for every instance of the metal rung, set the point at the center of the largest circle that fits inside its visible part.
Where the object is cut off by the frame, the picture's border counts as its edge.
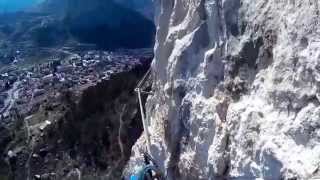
(143, 116)
(144, 122)
(144, 79)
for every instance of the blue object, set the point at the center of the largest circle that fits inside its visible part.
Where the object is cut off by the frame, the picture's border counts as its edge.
(144, 172)
(133, 177)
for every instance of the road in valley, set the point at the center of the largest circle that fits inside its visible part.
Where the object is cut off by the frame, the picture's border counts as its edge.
(13, 95)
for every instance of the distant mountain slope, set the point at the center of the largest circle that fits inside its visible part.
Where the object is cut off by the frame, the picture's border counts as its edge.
(16, 5)
(57, 7)
(108, 24)
(145, 7)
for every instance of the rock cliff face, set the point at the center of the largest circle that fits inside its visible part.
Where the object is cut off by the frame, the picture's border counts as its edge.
(236, 90)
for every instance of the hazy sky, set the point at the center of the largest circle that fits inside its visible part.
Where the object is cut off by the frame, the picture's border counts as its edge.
(16, 5)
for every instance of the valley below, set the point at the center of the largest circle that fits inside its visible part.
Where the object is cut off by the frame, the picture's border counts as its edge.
(68, 71)
(74, 113)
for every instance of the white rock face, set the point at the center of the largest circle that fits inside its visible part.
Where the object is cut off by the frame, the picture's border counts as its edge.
(236, 90)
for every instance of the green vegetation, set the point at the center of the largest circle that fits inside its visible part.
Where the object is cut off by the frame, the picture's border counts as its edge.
(3, 177)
